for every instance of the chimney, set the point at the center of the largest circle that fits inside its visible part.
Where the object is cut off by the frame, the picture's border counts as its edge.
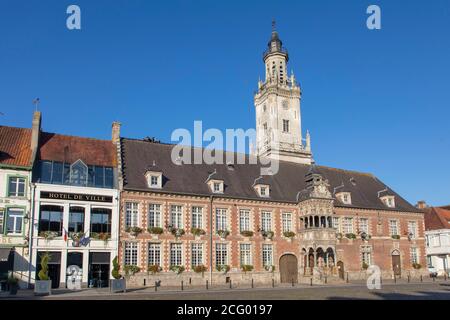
(35, 131)
(421, 205)
(115, 132)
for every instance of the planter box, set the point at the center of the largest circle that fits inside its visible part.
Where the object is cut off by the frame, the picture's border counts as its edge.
(118, 285)
(43, 287)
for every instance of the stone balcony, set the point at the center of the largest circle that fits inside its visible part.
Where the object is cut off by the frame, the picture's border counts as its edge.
(318, 235)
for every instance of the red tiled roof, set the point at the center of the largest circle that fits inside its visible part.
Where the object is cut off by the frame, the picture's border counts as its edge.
(15, 146)
(437, 218)
(69, 149)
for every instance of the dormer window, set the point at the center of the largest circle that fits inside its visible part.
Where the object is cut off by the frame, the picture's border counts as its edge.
(344, 197)
(389, 201)
(262, 190)
(154, 179)
(216, 186)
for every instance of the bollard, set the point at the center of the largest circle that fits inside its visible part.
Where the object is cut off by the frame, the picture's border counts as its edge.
(434, 279)
(445, 276)
(156, 287)
(273, 283)
(190, 280)
(230, 284)
(252, 283)
(310, 281)
(395, 279)
(421, 278)
(145, 282)
(206, 284)
(347, 277)
(409, 278)
(182, 286)
(326, 279)
(292, 281)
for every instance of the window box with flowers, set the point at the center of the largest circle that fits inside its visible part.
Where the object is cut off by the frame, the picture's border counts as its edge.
(268, 234)
(339, 236)
(176, 232)
(223, 233)
(223, 268)
(131, 270)
(48, 235)
(177, 269)
(247, 268)
(155, 230)
(395, 236)
(199, 269)
(365, 266)
(154, 269)
(198, 232)
(247, 233)
(365, 236)
(270, 268)
(289, 234)
(350, 236)
(134, 231)
(416, 265)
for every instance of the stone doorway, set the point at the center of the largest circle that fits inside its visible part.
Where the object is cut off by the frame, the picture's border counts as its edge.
(288, 269)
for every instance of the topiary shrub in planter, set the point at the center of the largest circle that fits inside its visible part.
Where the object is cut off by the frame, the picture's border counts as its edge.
(154, 269)
(177, 269)
(199, 269)
(247, 233)
(118, 284)
(134, 231)
(289, 234)
(223, 268)
(350, 236)
(155, 230)
(247, 268)
(43, 286)
(198, 232)
(13, 284)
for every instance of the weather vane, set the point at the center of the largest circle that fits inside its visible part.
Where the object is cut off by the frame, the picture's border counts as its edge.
(36, 103)
(273, 24)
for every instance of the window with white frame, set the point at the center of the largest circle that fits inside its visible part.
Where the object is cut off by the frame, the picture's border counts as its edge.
(154, 254)
(244, 220)
(14, 223)
(366, 255)
(245, 254)
(286, 218)
(2, 217)
(197, 217)
(266, 221)
(263, 191)
(176, 252)
(336, 224)
(414, 255)
(154, 215)
(364, 225)
(412, 229)
(347, 225)
(16, 187)
(221, 254)
(393, 227)
(154, 181)
(267, 255)
(216, 186)
(176, 216)
(131, 254)
(197, 254)
(286, 126)
(131, 214)
(221, 219)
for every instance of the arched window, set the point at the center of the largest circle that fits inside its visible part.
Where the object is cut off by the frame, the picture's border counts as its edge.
(78, 173)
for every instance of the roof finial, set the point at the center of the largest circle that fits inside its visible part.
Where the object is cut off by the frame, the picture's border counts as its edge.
(274, 24)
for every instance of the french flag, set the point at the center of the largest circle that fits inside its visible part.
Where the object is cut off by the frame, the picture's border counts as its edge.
(64, 234)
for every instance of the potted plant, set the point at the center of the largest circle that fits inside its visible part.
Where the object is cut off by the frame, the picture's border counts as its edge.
(199, 269)
(223, 233)
(154, 269)
(43, 286)
(223, 268)
(246, 268)
(118, 284)
(134, 231)
(289, 234)
(247, 233)
(13, 284)
(198, 232)
(155, 230)
(177, 269)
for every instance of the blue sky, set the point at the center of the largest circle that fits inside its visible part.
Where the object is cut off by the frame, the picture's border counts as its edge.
(374, 101)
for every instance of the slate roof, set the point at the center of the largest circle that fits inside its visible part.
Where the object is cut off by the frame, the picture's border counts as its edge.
(62, 148)
(15, 146)
(137, 155)
(437, 218)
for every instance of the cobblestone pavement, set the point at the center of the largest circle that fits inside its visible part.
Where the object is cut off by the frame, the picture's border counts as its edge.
(439, 290)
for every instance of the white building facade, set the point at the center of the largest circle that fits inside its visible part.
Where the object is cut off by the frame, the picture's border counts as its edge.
(438, 250)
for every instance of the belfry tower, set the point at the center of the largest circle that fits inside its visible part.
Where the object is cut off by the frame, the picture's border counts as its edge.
(278, 115)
